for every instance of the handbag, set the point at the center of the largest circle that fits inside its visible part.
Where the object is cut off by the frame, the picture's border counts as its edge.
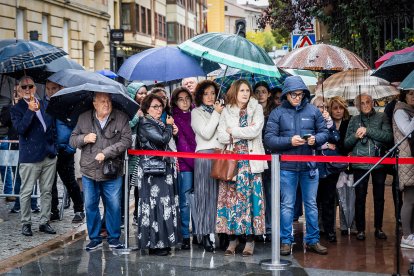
(224, 169)
(154, 166)
(111, 168)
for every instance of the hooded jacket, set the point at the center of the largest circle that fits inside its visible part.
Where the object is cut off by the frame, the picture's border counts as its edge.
(132, 90)
(286, 121)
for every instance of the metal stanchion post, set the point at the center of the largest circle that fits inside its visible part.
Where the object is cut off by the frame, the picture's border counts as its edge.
(126, 249)
(275, 263)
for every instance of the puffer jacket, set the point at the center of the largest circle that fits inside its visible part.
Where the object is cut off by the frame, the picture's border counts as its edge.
(252, 133)
(113, 141)
(379, 135)
(287, 121)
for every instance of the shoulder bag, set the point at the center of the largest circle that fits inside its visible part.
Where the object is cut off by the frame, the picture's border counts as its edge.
(224, 169)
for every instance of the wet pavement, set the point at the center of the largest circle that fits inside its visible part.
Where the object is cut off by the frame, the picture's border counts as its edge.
(63, 254)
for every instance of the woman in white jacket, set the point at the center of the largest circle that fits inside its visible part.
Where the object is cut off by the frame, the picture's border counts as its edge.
(240, 205)
(204, 121)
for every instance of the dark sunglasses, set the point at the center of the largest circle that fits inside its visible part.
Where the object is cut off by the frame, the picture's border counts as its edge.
(30, 86)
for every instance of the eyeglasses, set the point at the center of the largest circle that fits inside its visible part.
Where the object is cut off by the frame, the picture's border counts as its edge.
(296, 95)
(30, 86)
(156, 107)
(182, 100)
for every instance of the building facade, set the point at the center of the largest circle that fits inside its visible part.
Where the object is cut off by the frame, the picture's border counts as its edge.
(234, 11)
(80, 27)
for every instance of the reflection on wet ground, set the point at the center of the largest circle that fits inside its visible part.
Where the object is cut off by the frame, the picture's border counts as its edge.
(346, 257)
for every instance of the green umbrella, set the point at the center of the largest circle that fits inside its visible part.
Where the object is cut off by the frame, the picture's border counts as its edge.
(408, 82)
(231, 50)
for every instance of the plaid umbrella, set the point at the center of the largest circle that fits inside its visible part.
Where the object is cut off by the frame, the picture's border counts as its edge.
(236, 74)
(231, 50)
(349, 84)
(16, 55)
(322, 57)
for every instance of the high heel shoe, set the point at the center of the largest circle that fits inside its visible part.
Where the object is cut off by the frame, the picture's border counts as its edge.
(208, 246)
(248, 249)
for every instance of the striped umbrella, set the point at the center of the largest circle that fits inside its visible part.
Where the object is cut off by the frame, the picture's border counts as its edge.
(233, 74)
(231, 50)
(349, 84)
(322, 57)
(18, 54)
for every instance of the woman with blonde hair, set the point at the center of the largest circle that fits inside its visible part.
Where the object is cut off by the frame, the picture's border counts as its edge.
(240, 204)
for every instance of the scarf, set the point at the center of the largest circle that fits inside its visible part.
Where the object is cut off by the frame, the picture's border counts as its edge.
(160, 123)
(208, 108)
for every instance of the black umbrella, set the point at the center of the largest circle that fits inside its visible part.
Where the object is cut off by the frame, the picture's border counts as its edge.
(396, 68)
(69, 103)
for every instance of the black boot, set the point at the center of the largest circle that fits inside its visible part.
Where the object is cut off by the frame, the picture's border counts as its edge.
(224, 241)
(208, 246)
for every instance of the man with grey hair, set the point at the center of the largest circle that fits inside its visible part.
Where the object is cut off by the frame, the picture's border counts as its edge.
(37, 154)
(190, 84)
(368, 134)
(103, 133)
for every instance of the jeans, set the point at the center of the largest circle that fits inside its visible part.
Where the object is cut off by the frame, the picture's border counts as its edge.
(378, 189)
(185, 185)
(309, 185)
(110, 191)
(65, 167)
(267, 185)
(6, 172)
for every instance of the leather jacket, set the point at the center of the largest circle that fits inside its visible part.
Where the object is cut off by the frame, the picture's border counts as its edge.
(153, 136)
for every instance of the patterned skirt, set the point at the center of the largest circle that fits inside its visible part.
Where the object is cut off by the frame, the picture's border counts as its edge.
(158, 209)
(240, 204)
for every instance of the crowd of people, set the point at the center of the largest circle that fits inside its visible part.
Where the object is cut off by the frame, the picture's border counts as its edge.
(177, 202)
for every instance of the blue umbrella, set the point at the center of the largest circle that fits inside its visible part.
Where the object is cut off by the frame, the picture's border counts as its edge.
(164, 64)
(107, 73)
(16, 55)
(72, 77)
(62, 63)
(69, 103)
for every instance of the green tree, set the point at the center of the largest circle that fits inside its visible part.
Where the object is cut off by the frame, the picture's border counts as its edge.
(264, 39)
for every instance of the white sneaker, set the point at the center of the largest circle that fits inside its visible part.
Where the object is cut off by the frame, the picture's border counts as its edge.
(408, 242)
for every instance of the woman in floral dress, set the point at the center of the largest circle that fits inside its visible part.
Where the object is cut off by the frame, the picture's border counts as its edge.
(158, 207)
(240, 206)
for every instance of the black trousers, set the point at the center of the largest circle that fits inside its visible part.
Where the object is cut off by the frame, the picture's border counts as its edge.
(378, 187)
(326, 201)
(65, 167)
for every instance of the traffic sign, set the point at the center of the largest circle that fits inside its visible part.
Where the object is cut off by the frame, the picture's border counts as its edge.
(299, 41)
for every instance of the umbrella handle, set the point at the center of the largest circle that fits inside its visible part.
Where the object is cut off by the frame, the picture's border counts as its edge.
(222, 81)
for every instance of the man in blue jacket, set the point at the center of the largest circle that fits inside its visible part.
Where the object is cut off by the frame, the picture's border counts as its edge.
(37, 154)
(297, 128)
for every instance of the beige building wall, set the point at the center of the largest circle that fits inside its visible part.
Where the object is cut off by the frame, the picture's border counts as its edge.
(215, 16)
(78, 26)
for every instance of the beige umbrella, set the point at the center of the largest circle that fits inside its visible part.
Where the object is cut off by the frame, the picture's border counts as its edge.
(349, 84)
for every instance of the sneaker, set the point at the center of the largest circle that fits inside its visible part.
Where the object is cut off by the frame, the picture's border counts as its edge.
(114, 243)
(285, 249)
(317, 248)
(93, 245)
(408, 242)
(78, 217)
(135, 221)
(14, 211)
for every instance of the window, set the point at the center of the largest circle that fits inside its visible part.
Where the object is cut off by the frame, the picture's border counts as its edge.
(143, 20)
(45, 28)
(137, 17)
(225, 8)
(66, 36)
(149, 21)
(19, 24)
(126, 17)
(85, 54)
(171, 32)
